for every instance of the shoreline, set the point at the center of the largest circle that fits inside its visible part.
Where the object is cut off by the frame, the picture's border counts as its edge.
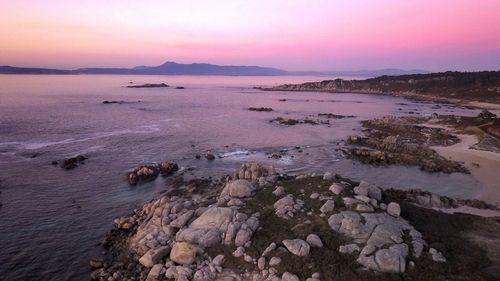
(412, 96)
(488, 162)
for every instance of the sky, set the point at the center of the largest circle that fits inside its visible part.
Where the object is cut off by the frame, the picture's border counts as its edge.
(319, 35)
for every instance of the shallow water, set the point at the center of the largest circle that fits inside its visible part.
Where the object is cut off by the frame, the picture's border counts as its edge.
(52, 220)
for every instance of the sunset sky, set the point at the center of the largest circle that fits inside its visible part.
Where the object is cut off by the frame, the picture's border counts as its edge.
(288, 34)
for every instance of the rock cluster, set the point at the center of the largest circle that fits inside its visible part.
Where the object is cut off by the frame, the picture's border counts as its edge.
(150, 172)
(381, 235)
(171, 237)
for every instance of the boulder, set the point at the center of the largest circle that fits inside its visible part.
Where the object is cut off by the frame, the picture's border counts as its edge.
(210, 156)
(328, 207)
(73, 162)
(349, 249)
(155, 272)
(394, 209)
(168, 167)
(375, 193)
(362, 188)
(287, 276)
(153, 256)
(214, 217)
(204, 237)
(274, 261)
(181, 220)
(336, 188)
(143, 174)
(297, 247)
(314, 241)
(280, 190)
(240, 189)
(183, 253)
(328, 176)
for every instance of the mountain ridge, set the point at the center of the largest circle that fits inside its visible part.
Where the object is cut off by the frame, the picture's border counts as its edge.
(173, 68)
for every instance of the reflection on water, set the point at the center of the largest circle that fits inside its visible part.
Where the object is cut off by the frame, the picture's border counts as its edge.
(52, 220)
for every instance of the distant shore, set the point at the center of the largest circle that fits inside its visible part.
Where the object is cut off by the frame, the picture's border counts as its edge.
(471, 89)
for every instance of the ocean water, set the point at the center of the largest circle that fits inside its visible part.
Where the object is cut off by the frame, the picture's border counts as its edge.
(52, 220)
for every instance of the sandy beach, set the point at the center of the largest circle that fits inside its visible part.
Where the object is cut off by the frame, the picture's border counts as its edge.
(484, 165)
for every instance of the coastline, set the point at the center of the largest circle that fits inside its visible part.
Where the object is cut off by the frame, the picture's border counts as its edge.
(409, 95)
(488, 161)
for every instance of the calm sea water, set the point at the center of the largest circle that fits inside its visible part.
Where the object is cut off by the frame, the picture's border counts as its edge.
(52, 220)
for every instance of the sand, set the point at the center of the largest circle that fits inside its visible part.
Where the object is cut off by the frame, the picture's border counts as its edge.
(484, 165)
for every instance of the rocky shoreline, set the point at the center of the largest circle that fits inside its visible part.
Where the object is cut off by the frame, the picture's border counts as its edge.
(261, 225)
(476, 89)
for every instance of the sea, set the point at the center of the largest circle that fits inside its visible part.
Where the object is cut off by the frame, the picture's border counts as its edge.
(53, 221)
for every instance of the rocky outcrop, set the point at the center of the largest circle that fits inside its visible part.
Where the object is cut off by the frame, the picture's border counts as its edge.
(239, 230)
(150, 172)
(403, 141)
(73, 162)
(160, 85)
(142, 174)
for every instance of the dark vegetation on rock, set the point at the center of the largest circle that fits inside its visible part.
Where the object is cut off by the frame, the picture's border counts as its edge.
(260, 109)
(470, 244)
(72, 162)
(160, 85)
(473, 86)
(146, 173)
(335, 116)
(403, 141)
(291, 121)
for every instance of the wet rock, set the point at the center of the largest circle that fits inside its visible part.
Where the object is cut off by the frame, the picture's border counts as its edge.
(260, 109)
(210, 156)
(183, 253)
(168, 167)
(285, 121)
(297, 247)
(149, 85)
(73, 162)
(143, 173)
(96, 263)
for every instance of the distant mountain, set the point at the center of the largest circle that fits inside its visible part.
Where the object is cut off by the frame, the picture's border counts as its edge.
(25, 70)
(168, 68)
(173, 68)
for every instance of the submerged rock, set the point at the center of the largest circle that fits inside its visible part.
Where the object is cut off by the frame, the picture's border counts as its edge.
(160, 85)
(73, 162)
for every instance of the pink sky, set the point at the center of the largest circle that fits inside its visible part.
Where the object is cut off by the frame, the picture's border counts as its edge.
(288, 34)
